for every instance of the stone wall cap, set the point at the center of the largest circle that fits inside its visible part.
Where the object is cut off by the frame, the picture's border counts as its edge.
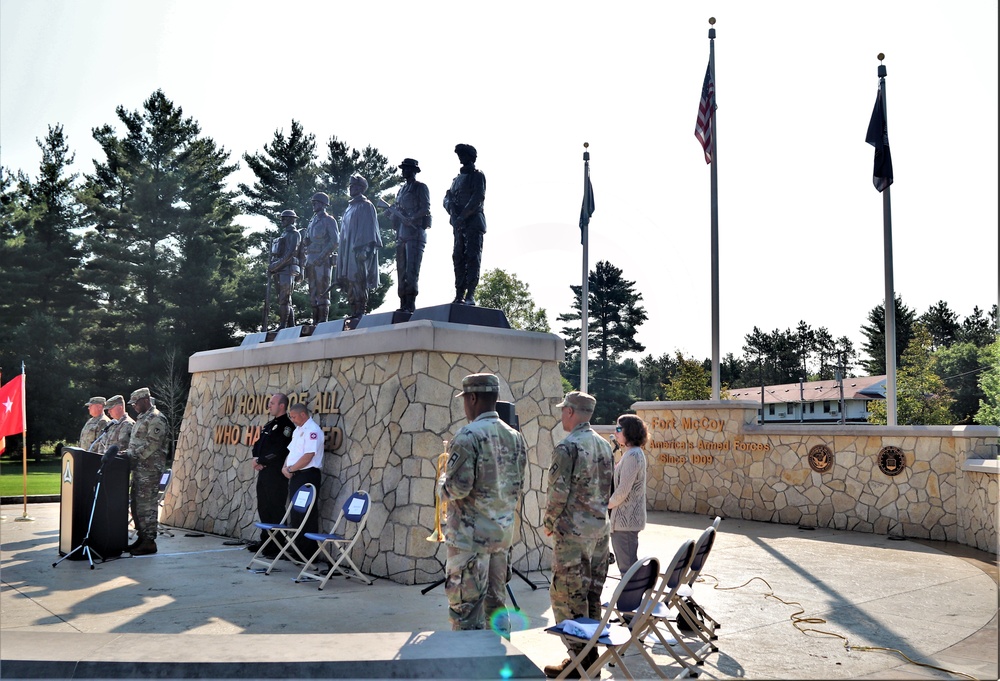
(982, 466)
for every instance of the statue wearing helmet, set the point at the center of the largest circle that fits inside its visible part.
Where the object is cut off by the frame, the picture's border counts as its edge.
(285, 267)
(321, 238)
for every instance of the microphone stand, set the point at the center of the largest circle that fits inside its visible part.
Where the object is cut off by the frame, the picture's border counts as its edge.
(85, 546)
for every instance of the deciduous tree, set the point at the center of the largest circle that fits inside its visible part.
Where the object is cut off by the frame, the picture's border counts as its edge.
(922, 399)
(504, 291)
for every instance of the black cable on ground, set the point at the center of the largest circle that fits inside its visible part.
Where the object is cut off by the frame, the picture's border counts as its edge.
(798, 622)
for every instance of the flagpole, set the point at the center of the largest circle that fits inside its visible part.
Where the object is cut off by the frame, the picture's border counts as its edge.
(715, 225)
(24, 447)
(890, 297)
(585, 294)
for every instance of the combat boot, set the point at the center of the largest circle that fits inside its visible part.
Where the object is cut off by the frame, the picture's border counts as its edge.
(554, 670)
(145, 548)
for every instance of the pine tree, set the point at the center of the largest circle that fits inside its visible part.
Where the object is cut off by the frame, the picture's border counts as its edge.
(287, 175)
(165, 247)
(614, 318)
(43, 297)
(942, 323)
(978, 329)
(874, 332)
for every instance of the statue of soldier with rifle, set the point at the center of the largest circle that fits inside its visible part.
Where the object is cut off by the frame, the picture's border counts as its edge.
(286, 269)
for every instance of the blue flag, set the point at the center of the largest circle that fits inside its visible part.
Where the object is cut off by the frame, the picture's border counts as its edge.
(878, 137)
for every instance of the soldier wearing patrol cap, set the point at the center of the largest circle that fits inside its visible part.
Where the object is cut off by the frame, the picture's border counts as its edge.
(321, 239)
(482, 486)
(148, 448)
(96, 424)
(576, 517)
(285, 267)
(119, 430)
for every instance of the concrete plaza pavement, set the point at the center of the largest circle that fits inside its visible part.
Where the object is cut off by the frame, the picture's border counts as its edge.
(794, 603)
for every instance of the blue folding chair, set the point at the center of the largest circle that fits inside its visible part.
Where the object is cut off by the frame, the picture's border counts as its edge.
(353, 512)
(282, 535)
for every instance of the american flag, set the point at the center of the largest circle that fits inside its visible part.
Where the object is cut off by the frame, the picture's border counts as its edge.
(706, 109)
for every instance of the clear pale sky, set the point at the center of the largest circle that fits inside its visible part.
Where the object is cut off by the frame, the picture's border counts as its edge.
(527, 83)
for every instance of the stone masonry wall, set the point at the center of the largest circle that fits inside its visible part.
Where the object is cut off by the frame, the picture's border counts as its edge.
(395, 409)
(711, 457)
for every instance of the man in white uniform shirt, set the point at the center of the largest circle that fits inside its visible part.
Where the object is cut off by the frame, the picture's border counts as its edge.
(304, 464)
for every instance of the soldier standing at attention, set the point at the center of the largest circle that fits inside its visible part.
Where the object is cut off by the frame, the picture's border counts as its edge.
(119, 430)
(482, 486)
(576, 517)
(464, 203)
(322, 236)
(147, 450)
(269, 453)
(286, 268)
(96, 424)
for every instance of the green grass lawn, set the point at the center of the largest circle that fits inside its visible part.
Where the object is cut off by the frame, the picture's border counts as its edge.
(43, 477)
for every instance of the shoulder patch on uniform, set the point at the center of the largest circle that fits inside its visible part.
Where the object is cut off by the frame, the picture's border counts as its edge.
(312, 436)
(453, 458)
(554, 467)
(287, 432)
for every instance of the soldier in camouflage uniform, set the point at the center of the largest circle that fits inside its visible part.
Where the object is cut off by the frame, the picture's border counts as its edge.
(482, 485)
(576, 517)
(147, 449)
(96, 424)
(119, 430)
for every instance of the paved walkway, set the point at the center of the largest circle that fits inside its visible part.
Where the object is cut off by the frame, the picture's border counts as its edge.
(193, 610)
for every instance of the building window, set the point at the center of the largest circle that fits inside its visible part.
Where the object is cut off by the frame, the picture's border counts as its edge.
(770, 409)
(790, 409)
(812, 407)
(826, 407)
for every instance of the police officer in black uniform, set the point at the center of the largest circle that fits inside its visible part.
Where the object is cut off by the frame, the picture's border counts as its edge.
(269, 453)
(286, 268)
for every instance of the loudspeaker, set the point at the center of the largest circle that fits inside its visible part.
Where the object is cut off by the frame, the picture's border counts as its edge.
(109, 532)
(508, 414)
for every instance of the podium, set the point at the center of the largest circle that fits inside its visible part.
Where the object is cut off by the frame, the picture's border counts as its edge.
(109, 533)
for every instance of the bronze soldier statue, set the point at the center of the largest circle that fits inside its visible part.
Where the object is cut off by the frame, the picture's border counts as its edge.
(411, 216)
(464, 203)
(357, 261)
(285, 267)
(321, 239)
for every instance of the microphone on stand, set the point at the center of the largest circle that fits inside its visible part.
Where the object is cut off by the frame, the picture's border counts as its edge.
(109, 454)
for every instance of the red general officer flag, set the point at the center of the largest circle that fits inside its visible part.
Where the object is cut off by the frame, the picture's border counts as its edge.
(11, 407)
